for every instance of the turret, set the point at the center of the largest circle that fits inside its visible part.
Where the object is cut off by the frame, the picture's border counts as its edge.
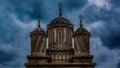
(81, 40)
(38, 40)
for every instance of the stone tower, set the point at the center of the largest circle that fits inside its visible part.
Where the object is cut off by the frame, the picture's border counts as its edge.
(60, 53)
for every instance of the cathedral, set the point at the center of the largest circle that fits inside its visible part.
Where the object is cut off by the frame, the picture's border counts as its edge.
(61, 52)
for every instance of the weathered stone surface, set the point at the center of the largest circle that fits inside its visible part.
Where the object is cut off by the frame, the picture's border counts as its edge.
(60, 52)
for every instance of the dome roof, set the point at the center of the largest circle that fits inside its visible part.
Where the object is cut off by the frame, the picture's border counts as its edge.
(38, 29)
(81, 30)
(60, 21)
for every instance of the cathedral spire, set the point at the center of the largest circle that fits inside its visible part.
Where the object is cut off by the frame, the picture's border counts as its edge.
(81, 24)
(39, 23)
(60, 9)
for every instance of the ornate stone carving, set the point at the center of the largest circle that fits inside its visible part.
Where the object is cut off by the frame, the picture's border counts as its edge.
(60, 53)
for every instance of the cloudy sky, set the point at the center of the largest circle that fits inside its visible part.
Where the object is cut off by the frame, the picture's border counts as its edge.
(19, 17)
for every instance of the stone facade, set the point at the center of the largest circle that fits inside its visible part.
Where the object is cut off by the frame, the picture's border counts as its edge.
(60, 52)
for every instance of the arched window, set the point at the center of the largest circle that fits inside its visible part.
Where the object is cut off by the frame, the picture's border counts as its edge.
(51, 37)
(68, 37)
(59, 37)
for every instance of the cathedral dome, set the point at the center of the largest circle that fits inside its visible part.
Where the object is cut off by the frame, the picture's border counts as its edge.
(60, 21)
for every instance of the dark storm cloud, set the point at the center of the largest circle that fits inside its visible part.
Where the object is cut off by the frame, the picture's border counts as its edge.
(105, 32)
(109, 33)
(118, 65)
(6, 57)
(72, 4)
(13, 39)
(10, 56)
(24, 9)
(15, 18)
(111, 39)
(115, 2)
